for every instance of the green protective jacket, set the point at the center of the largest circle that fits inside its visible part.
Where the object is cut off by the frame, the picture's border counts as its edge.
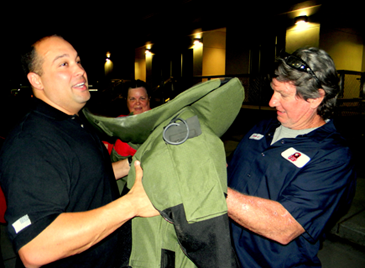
(184, 175)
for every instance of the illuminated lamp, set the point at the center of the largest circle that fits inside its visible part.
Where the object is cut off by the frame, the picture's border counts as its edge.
(301, 19)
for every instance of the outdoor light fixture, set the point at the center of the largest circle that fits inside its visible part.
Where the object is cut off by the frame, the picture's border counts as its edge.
(108, 56)
(148, 48)
(197, 41)
(301, 19)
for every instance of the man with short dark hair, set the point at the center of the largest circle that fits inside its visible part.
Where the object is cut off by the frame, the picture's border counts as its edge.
(63, 205)
(292, 177)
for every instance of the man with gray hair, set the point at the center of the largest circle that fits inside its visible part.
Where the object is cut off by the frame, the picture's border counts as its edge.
(290, 178)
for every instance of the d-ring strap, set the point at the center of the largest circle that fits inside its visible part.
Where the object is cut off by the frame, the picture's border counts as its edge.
(171, 124)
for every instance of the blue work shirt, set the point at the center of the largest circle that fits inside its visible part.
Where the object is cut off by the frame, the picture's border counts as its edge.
(311, 175)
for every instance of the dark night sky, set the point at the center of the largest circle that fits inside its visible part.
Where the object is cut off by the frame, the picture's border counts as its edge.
(94, 29)
(91, 31)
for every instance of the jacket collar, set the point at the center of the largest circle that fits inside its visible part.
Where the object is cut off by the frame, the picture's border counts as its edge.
(316, 135)
(47, 110)
(322, 132)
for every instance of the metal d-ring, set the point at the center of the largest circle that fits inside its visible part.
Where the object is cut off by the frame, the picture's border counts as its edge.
(176, 124)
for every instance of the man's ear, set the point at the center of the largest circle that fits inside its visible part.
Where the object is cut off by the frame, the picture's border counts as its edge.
(35, 80)
(317, 101)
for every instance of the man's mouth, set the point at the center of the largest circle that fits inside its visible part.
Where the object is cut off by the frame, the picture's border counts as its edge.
(80, 85)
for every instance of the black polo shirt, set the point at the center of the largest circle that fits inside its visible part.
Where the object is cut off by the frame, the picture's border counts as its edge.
(53, 163)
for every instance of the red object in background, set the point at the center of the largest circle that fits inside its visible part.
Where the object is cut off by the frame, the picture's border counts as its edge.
(2, 206)
(122, 148)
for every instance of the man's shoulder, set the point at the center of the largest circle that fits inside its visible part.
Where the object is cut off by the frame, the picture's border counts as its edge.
(328, 134)
(33, 124)
(31, 132)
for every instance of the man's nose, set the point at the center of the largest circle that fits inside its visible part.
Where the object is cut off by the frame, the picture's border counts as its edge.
(273, 101)
(79, 70)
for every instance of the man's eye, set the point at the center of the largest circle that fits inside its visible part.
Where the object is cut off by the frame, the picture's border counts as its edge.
(64, 64)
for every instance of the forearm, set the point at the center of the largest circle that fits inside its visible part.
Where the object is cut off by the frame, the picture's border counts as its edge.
(121, 168)
(73, 233)
(262, 216)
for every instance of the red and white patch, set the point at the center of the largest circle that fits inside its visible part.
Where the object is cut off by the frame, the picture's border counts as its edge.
(256, 136)
(295, 157)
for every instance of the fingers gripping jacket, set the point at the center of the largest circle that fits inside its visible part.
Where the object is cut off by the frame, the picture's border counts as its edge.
(183, 161)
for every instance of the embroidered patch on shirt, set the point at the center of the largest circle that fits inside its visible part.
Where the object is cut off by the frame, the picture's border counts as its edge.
(295, 157)
(21, 223)
(256, 136)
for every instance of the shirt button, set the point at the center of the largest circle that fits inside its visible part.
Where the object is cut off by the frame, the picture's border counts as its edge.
(263, 154)
(249, 175)
(82, 125)
(282, 142)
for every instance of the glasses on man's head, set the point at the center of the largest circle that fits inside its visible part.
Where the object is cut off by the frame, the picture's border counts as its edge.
(299, 64)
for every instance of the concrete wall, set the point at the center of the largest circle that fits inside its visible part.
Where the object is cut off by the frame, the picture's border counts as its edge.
(345, 46)
(301, 36)
(140, 64)
(214, 52)
(363, 59)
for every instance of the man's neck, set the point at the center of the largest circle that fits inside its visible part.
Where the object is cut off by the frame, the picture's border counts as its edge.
(68, 111)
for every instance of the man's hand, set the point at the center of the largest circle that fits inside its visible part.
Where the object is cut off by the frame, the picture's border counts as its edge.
(120, 168)
(138, 196)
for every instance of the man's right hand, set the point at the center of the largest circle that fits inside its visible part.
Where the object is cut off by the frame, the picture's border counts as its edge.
(138, 196)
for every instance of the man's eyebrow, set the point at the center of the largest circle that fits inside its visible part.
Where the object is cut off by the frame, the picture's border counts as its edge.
(65, 56)
(60, 56)
(272, 87)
